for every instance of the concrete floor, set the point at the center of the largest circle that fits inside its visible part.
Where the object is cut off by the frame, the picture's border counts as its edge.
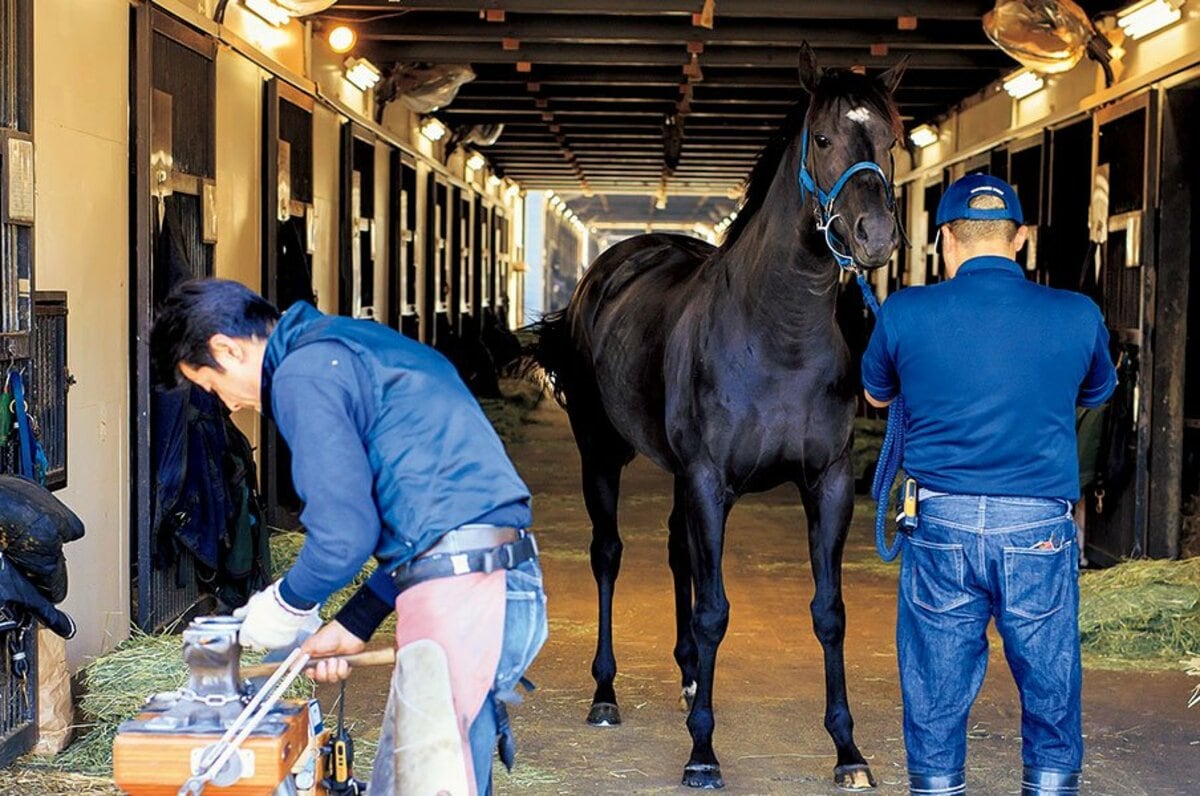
(1141, 738)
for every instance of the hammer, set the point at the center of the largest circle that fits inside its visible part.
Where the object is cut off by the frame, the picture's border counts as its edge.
(378, 657)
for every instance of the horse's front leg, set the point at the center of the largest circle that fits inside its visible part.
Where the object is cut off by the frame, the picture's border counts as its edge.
(829, 504)
(707, 505)
(681, 571)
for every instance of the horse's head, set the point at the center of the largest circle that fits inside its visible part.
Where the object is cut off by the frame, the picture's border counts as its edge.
(846, 162)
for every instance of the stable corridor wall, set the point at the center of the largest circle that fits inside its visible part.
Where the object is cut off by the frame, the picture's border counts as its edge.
(81, 139)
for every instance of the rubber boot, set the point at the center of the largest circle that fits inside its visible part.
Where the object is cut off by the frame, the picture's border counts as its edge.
(938, 784)
(1044, 782)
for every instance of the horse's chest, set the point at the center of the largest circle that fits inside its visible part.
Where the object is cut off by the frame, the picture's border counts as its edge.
(762, 419)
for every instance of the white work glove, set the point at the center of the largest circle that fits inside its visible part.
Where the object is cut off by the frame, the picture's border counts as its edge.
(268, 622)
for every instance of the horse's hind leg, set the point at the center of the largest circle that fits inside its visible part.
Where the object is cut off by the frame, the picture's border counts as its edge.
(829, 504)
(681, 569)
(601, 486)
(604, 454)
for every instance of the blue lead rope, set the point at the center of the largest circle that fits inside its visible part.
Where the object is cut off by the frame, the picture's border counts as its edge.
(889, 456)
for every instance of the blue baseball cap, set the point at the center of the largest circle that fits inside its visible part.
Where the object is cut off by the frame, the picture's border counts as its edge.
(956, 201)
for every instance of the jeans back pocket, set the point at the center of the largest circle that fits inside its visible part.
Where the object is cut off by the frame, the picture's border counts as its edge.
(1036, 580)
(935, 575)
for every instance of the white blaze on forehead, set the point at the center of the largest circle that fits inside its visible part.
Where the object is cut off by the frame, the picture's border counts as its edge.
(859, 115)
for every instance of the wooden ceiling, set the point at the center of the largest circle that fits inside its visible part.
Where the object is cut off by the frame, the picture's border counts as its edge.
(583, 87)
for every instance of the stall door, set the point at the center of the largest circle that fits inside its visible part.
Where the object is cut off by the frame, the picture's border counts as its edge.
(356, 279)
(402, 273)
(1116, 523)
(1066, 255)
(287, 218)
(437, 279)
(175, 229)
(1024, 167)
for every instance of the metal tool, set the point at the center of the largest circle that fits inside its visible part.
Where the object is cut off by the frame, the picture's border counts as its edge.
(217, 756)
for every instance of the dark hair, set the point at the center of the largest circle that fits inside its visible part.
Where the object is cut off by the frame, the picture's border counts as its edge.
(967, 230)
(194, 312)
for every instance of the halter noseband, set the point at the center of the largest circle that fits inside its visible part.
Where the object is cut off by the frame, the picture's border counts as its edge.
(826, 200)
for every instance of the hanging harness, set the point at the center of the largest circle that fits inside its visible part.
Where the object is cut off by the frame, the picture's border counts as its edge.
(893, 439)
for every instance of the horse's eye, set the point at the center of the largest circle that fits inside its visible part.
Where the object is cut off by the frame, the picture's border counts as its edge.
(821, 140)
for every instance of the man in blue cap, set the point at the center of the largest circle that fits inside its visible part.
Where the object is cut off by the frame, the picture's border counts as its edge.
(991, 367)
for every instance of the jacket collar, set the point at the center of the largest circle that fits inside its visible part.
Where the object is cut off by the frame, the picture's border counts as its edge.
(297, 320)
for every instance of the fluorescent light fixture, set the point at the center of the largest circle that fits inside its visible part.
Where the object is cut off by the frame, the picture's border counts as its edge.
(555, 202)
(493, 182)
(923, 135)
(1148, 16)
(1022, 84)
(512, 190)
(267, 11)
(433, 129)
(362, 73)
(476, 161)
(341, 39)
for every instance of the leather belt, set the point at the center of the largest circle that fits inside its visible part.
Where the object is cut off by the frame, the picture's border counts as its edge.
(472, 537)
(450, 556)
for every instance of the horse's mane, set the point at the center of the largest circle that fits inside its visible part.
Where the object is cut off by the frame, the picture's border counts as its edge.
(837, 85)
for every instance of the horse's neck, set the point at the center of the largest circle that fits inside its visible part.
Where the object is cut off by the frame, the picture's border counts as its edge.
(780, 271)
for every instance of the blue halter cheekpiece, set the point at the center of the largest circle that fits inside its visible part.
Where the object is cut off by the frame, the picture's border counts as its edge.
(827, 199)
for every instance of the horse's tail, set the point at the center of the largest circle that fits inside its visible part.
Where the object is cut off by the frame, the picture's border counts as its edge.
(548, 346)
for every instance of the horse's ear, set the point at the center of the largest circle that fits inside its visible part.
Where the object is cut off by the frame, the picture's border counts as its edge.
(810, 72)
(891, 78)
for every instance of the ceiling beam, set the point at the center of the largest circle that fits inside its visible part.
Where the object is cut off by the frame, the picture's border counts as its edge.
(792, 9)
(668, 30)
(644, 55)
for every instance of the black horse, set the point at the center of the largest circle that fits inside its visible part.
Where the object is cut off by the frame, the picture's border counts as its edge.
(726, 367)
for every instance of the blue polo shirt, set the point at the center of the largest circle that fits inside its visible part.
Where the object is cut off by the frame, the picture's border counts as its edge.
(991, 367)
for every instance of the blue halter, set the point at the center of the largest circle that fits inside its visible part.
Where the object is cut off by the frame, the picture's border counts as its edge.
(826, 200)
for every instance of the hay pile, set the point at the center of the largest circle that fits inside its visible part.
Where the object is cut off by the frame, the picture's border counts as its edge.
(1140, 614)
(508, 415)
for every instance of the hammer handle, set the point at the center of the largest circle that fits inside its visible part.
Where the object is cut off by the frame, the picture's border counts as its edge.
(378, 657)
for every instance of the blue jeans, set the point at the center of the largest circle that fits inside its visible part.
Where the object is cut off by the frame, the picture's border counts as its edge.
(525, 630)
(971, 558)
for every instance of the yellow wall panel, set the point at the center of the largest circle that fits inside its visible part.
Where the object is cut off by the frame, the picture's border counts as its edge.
(81, 99)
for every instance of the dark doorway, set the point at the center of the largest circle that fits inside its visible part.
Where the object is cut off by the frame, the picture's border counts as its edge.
(1174, 524)
(437, 279)
(172, 194)
(287, 182)
(356, 279)
(1066, 256)
(1116, 522)
(406, 239)
(1025, 174)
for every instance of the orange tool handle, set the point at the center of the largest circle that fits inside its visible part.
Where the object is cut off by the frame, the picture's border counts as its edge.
(369, 658)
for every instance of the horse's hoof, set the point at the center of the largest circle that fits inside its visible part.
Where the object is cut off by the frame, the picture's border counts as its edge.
(854, 777)
(686, 697)
(703, 775)
(604, 714)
